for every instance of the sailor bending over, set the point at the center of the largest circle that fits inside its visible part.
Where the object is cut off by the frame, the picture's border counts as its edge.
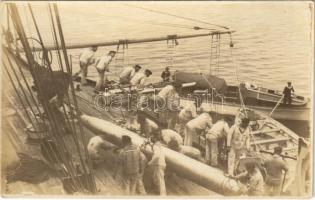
(147, 126)
(86, 59)
(97, 148)
(255, 182)
(189, 151)
(188, 113)
(195, 126)
(168, 100)
(219, 130)
(127, 74)
(169, 135)
(141, 79)
(54, 86)
(102, 66)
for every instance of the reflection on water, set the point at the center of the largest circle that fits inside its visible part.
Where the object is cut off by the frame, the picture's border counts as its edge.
(272, 40)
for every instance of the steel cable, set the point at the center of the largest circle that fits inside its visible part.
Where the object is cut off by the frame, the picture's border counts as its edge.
(177, 16)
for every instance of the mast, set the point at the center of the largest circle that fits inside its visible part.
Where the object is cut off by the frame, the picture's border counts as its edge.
(135, 41)
(59, 124)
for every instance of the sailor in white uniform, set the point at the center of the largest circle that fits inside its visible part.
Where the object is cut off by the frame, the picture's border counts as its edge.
(102, 66)
(198, 124)
(189, 151)
(238, 143)
(168, 100)
(188, 113)
(126, 75)
(158, 165)
(141, 79)
(168, 135)
(97, 148)
(219, 130)
(147, 126)
(86, 59)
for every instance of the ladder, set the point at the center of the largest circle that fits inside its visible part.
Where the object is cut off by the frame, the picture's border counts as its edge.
(121, 53)
(215, 54)
(170, 44)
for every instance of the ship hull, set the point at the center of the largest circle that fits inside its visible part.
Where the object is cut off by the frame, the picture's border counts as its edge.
(281, 113)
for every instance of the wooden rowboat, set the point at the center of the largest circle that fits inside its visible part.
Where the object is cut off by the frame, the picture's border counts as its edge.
(217, 92)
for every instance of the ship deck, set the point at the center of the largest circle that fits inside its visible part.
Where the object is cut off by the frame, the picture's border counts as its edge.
(106, 184)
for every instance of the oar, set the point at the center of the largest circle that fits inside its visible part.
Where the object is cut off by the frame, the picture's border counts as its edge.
(276, 106)
(283, 156)
(278, 103)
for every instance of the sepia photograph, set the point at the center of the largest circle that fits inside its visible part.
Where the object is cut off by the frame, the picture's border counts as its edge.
(163, 99)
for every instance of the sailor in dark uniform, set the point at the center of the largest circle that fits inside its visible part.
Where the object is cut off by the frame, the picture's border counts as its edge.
(166, 75)
(287, 100)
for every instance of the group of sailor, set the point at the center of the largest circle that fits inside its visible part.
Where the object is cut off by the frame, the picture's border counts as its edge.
(266, 178)
(192, 125)
(237, 145)
(129, 75)
(132, 162)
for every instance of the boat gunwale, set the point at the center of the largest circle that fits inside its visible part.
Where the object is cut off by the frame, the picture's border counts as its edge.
(275, 95)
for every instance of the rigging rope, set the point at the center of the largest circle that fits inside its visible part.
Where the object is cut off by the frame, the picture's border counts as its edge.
(177, 16)
(34, 71)
(30, 91)
(18, 94)
(48, 63)
(28, 24)
(72, 125)
(195, 62)
(54, 35)
(44, 123)
(176, 25)
(209, 83)
(240, 93)
(84, 139)
(23, 91)
(237, 76)
(45, 59)
(8, 18)
(24, 107)
(218, 56)
(165, 24)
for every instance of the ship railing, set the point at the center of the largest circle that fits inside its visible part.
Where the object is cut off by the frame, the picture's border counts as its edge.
(213, 104)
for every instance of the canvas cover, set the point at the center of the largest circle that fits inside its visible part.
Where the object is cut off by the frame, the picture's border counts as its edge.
(203, 81)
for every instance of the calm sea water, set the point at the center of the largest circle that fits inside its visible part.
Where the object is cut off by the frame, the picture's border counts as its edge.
(273, 40)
